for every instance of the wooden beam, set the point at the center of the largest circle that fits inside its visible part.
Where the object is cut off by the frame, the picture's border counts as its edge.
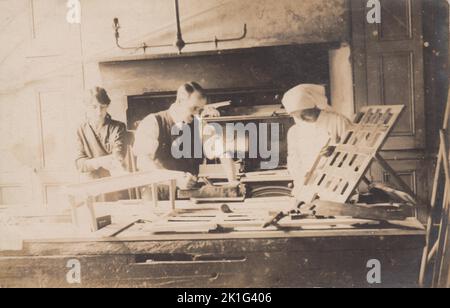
(90, 206)
(432, 252)
(445, 155)
(441, 241)
(447, 113)
(428, 252)
(437, 176)
(444, 273)
(442, 244)
(399, 181)
(326, 209)
(173, 192)
(124, 182)
(366, 181)
(73, 210)
(154, 188)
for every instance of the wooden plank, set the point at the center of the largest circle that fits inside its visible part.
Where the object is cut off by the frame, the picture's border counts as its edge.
(115, 229)
(211, 218)
(173, 192)
(431, 249)
(443, 253)
(154, 188)
(91, 210)
(394, 176)
(217, 200)
(325, 208)
(445, 155)
(428, 251)
(447, 114)
(119, 183)
(73, 210)
(440, 263)
(256, 225)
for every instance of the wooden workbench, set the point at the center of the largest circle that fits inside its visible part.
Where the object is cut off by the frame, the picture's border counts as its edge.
(328, 257)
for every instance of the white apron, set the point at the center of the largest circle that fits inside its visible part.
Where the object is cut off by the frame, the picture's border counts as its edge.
(306, 140)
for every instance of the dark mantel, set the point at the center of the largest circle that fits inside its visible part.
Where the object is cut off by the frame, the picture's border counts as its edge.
(276, 67)
(206, 53)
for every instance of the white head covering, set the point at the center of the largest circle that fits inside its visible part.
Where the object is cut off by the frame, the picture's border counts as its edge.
(305, 96)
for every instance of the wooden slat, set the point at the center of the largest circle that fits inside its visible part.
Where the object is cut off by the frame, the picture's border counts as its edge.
(114, 184)
(442, 265)
(154, 195)
(91, 209)
(255, 225)
(173, 194)
(438, 248)
(326, 208)
(445, 154)
(447, 114)
(395, 177)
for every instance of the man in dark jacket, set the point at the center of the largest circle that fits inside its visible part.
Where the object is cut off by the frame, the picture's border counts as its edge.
(154, 138)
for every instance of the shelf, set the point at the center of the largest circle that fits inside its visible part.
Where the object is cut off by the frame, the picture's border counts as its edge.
(163, 56)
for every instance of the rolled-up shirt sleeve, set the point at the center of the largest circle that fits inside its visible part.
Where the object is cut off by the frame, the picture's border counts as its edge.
(147, 138)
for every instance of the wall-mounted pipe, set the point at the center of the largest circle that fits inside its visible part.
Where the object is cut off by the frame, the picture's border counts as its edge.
(180, 44)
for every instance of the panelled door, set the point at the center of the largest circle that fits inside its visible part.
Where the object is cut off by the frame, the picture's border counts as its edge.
(389, 65)
(40, 107)
(388, 69)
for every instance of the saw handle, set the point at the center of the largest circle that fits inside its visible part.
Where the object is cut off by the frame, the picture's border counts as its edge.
(277, 218)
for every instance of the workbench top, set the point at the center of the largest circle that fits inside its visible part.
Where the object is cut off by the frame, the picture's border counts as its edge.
(138, 257)
(137, 220)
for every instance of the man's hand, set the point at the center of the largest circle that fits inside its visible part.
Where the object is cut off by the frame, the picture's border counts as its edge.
(188, 182)
(109, 163)
(328, 151)
(114, 166)
(210, 112)
(94, 163)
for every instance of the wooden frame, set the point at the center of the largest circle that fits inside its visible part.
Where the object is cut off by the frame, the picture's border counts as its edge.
(435, 250)
(336, 177)
(86, 192)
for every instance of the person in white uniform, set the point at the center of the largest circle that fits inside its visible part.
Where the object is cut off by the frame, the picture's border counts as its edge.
(316, 132)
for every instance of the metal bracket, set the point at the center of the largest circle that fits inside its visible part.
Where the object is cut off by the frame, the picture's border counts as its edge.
(179, 43)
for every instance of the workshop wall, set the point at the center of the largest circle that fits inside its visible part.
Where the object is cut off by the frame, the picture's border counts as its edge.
(436, 61)
(269, 23)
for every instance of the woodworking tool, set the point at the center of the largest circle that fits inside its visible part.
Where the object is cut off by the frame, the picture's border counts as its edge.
(226, 209)
(278, 217)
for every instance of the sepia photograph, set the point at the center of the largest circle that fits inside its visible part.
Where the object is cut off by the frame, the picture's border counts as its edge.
(204, 146)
